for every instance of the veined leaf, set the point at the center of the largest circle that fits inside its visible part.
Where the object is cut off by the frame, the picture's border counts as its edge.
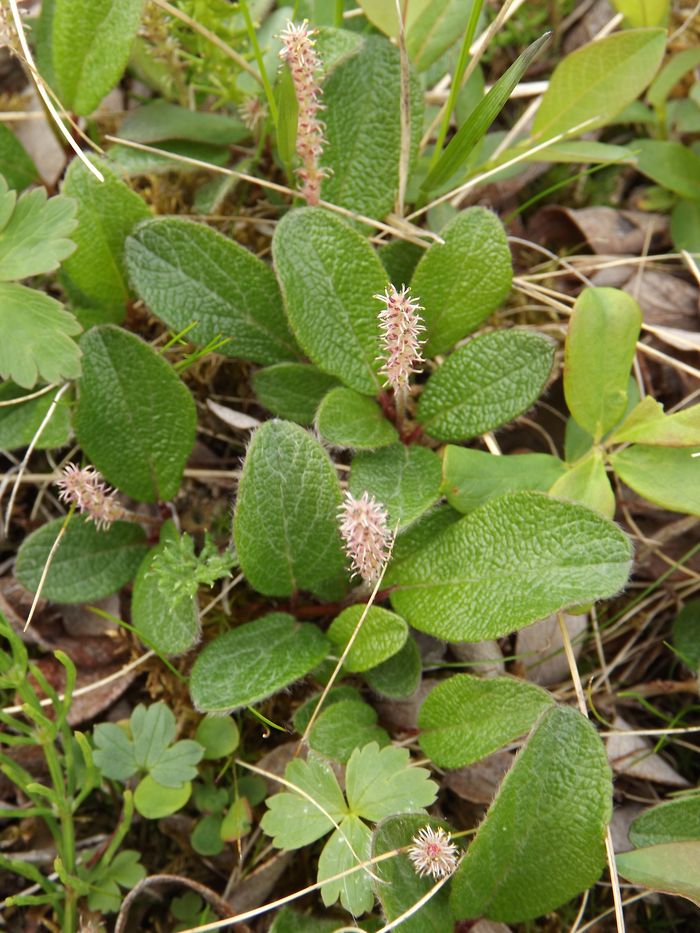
(345, 726)
(292, 390)
(406, 480)
(672, 821)
(382, 635)
(670, 164)
(34, 232)
(347, 419)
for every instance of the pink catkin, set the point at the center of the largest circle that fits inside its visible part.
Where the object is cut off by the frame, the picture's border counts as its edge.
(401, 326)
(83, 487)
(364, 529)
(299, 53)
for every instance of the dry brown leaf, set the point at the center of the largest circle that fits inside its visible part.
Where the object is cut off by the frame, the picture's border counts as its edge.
(231, 417)
(605, 230)
(622, 819)
(632, 755)
(253, 890)
(665, 300)
(540, 648)
(486, 656)
(479, 782)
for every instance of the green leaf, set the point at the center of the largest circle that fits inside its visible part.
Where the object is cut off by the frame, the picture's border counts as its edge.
(114, 752)
(399, 676)
(285, 525)
(542, 841)
(133, 162)
(238, 820)
(667, 476)
(399, 887)
(107, 213)
(160, 120)
(206, 836)
(34, 232)
(433, 28)
(153, 728)
(686, 634)
(291, 819)
(480, 119)
(152, 417)
(292, 390)
(382, 782)
(465, 718)
(382, 634)
(647, 424)
(88, 564)
(345, 726)
(302, 716)
(187, 272)
(37, 337)
(124, 870)
(349, 845)
(670, 164)
(685, 226)
(600, 347)
(406, 480)
(671, 868)
(422, 533)
(153, 801)
(486, 384)
(19, 423)
(514, 560)
(461, 282)
(218, 735)
(177, 763)
(599, 80)
(288, 920)
(168, 622)
(288, 110)
(91, 44)
(472, 477)
(363, 128)
(587, 482)
(583, 150)
(643, 12)
(672, 72)
(400, 258)
(253, 661)
(329, 276)
(672, 821)
(382, 14)
(347, 419)
(18, 168)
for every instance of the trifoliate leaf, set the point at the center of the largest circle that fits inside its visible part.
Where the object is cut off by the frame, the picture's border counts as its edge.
(114, 752)
(34, 232)
(381, 782)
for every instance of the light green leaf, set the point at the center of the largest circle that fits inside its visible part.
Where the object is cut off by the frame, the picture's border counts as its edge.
(465, 718)
(685, 226)
(34, 232)
(289, 920)
(17, 166)
(133, 162)
(347, 419)
(647, 424)
(542, 841)
(382, 14)
(433, 28)
(329, 276)
(461, 282)
(349, 845)
(292, 390)
(302, 716)
(363, 128)
(399, 676)
(152, 417)
(383, 633)
(406, 480)
(472, 477)
(399, 886)
(91, 44)
(153, 801)
(153, 728)
(512, 561)
(285, 526)
(291, 819)
(36, 340)
(177, 764)
(107, 213)
(345, 726)
(599, 80)
(288, 119)
(160, 120)
(671, 868)
(218, 735)
(667, 476)
(486, 384)
(670, 164)
(382, 782)
(253, 661)
(600, 347)
(672, 72)
(114, 752)
(422, 533)
(88, 564)
(643, 12)
(187, 272)
(686, 634)
(19, 423)
(672, 821)
(584, 150)
(587, 482)
(170, 624)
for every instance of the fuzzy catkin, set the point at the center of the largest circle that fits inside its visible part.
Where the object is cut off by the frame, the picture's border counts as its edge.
(401, 326)
(364, 529)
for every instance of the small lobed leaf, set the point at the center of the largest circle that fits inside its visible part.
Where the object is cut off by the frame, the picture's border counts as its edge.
(459, 283)
(516, 559)
(380, 782)
(667, 476)
(465, 718)
(153, 728)
(88, 563)
(253, 661)
(292, 390)
(177, 764)
(399, 676)
(543, 838)
(485, 384)
(405, 479)
(345, 726)
(114, 752)
(672, 821)
(151, 415)
(347, 419)
(671, 868)
(382, 635)
(34, 232)
(19, 423)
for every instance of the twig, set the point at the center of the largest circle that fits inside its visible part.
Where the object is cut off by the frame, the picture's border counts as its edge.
(405, 113)
(218, 903)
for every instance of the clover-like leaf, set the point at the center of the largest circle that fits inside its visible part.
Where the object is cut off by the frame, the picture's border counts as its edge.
(114, 752)
(381, 782)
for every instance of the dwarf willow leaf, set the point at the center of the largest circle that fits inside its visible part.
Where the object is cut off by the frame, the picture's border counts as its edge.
(347, 419)
(88, 564)
(672, 868)
(302, 716)
(253, 661)
(459, 283)
(543, 838)
(285, 526)
(514, 560)
(186, 272)
(382, 634)
(169, 623)
(345, 726)
(160, 120)
(672, 821)
(406, 480)
(152, 416)
(329, 276)
(667, 476)
(485, 384)
(399, 676)
(292, 390)
(465, 718)
(107, 213)
(34, 232)
(670, 164)
(91, 40)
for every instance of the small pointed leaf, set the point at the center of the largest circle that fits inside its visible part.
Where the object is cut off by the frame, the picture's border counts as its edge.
(347, 419)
